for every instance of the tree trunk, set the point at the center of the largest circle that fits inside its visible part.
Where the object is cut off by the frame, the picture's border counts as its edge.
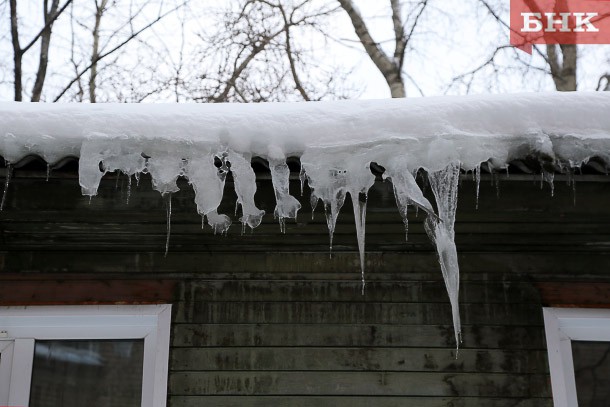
(45, 42)
(563, 71)
(17, 52)
(390, 69)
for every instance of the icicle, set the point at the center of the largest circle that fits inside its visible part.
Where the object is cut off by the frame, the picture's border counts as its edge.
(7, 181)
(98, 157)
(444, 185)
(313, 201)
(477, 177)
(331, 176)
(245, 188)
(330, 188)
(302, 178)
(331, 212)
(48, 172)
(574, 188)
(405, 222)
(169, 222)
(128, 189)
(549, 177)
(360, 219)
(164, 170)
(208, 183)
(286, 205)
(406, 190)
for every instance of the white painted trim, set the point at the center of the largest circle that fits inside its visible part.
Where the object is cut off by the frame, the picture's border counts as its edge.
(149, 322)
(6, 364)
(562, 326)
(21, 373)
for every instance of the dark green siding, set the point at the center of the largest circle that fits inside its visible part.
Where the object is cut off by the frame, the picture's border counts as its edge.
(266, 319)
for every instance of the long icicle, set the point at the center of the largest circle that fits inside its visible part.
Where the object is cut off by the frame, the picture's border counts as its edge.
(7, 181)
(444, 185)
(360, 219)
(169, 222)
(286, 206)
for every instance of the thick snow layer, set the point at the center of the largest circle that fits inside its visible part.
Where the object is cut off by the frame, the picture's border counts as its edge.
(336, 142)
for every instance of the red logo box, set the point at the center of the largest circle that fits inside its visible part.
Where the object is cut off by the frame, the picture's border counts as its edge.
(559, 22)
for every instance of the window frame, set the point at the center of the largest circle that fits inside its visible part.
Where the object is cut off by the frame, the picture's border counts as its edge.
(562, 326)
(21, 326)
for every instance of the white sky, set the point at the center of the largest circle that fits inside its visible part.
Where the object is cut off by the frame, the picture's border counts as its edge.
(455, 37)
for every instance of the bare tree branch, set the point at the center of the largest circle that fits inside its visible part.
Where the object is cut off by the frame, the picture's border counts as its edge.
(293, 69)
(48, 23)
(600, 85)
(103, 55)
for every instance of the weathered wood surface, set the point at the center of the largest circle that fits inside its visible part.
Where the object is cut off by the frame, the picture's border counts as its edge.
(329, 312)
(359, 359)
(487, 292)
(344, 335)
(269, 265)
(269, 319)
(359, 383)
(360, 401)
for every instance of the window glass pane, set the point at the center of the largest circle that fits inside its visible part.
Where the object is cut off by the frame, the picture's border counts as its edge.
(592, 373)
(88, 373)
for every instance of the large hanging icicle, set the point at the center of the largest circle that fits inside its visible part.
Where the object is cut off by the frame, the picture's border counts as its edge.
(164, 170)
(328, 185)
(331, 176)
(406, 190)
(444, 185)
(245, 188)
(286, 206)
(208, 183)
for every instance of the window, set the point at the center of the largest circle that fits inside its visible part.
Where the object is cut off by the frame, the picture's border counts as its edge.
(578, 342)
(72, 356)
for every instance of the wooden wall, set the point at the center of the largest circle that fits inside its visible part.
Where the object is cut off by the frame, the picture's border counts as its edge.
(269, 319)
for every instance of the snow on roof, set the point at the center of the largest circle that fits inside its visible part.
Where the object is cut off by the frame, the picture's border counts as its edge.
(336, 142)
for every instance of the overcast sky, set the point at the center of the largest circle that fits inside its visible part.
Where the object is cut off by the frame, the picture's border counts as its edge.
(454, 38)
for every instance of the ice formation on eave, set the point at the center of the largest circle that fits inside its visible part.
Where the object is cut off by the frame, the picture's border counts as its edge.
(336, 142)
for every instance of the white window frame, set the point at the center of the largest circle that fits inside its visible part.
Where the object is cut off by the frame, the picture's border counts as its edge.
(562, 326)
(21, 326)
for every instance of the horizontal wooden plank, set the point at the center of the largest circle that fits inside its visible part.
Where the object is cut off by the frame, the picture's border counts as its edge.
(349, 335)
(358, 383)
(559, 265)
(355, 313)
(82, 240)
(358, 359)
(349, 291)
(360, 401)
(376, 227)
